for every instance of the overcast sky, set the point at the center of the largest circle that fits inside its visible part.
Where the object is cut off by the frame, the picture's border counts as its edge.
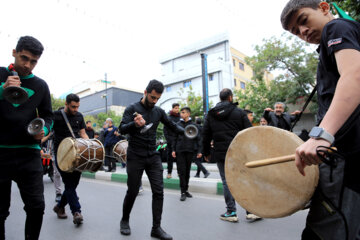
(83, 39)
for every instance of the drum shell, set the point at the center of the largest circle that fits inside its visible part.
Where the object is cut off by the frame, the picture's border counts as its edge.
(120, 151)
(80, 155)
(271, 191)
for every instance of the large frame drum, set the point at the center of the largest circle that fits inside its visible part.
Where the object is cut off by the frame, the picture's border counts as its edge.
(271, 191)
(80, 155)
(120, 149)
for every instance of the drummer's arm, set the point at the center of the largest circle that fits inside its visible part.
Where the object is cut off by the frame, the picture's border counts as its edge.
(127, 124)
(83, 134)
(346, 99)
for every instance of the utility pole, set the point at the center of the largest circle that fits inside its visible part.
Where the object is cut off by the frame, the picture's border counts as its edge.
(205, 83)
(106, 93)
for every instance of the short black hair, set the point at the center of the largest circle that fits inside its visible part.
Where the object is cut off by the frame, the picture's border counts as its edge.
(248, 111)
(293, 6)
(72, 98)
(225, 94)
(198, 120)
(88, 121)
(175, 105)
(155, 85)
(186, 109)
(30, 44)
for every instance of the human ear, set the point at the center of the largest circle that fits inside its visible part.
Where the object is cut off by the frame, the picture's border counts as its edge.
(324, 6)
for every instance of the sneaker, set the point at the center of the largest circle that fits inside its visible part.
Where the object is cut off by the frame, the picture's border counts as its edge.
(229, 216)
(160, 234)
(187, 194)
(58, 197)
(252, 217)
(197, 175)
(78, 218)
(168, 176)
(183, 197)
(125, 227)
(60, 211)
(207, 174)
(141, 189)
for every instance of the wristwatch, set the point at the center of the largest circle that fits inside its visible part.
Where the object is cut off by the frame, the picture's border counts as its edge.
(320, 133)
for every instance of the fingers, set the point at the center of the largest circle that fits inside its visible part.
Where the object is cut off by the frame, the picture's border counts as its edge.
(12, 81)
(300, 164)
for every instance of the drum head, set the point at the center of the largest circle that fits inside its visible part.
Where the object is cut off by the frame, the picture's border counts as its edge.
(271, 191)
(120, 150)
(66, 154)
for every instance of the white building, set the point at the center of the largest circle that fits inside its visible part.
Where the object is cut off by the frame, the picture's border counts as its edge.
(183, 68)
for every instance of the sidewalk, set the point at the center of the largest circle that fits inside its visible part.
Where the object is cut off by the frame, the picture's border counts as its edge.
(210, 185)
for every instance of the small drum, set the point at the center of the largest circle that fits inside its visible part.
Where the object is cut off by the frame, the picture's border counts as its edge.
(120, 151)
(271, 191)
(80, 155)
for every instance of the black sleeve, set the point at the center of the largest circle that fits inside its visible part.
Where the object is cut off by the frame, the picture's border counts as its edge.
(341, 34)
(45, 110)
(266, 116)
(170, 124)
(127, 124)
(206, 136)
(199, 140)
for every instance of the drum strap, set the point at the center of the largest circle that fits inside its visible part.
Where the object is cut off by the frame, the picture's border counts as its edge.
(67, 123)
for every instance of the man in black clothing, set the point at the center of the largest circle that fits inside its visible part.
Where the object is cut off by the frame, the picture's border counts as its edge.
(279, 118)
(19, 151)
(70, 179)
(335, 206)
(198, 161)
(221, 125)
(170, 136)
(89, 130)
(184, 149)
(142, 155)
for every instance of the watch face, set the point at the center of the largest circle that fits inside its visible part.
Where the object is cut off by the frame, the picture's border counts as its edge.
(315, 132)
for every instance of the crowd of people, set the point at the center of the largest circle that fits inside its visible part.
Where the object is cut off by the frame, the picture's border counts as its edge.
(334, 209)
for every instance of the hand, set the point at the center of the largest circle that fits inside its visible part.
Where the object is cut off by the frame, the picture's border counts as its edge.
(306, 154)
(207, 158)
(139, 121)
(110, 129)
(40, 135)
(199, 155)
(12, 81)
(173, 154)
(116, 133)
(296, 112)
(268, 110)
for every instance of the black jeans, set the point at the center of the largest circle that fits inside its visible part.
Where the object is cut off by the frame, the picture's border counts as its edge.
(184, 160)
(109, 158)
(135, 167)
(200, 167)
(24, 167)
(170, 159)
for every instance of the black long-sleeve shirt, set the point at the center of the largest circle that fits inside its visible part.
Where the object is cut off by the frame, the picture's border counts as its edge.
(144, 144)
(14, 118)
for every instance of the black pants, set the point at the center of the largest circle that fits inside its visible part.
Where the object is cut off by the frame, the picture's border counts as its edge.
(200, 167)
(184, 160)
(24, 167)
(170, 159)
(135, 167)
(109, 158)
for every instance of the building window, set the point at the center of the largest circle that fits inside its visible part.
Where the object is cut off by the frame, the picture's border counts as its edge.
(241, 66)
(242, 85)
(211, 77)
(187, 83)
(234, 62)
(168, 88)
(234, 81)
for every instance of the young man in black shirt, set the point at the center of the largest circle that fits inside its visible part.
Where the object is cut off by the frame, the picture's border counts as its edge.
(334, 213)
(184, 149)
(70, 179)
(142, 155)
(19, 151)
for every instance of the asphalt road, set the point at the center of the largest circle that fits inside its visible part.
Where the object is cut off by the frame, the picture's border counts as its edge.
(196, 218)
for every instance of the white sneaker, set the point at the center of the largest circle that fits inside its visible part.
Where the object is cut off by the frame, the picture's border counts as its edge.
(252, 217)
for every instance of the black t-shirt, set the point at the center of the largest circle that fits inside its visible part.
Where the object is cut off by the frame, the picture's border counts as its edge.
(339, 34)
(61, 129)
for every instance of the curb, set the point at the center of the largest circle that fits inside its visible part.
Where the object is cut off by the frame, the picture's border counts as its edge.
(199, 185)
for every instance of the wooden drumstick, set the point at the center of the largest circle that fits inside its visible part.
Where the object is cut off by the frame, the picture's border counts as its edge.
(269, 161)
(275, 160)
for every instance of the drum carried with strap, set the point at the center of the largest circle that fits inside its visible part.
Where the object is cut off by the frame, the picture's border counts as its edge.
(78, 154)
(269, 188)
(120, 149)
